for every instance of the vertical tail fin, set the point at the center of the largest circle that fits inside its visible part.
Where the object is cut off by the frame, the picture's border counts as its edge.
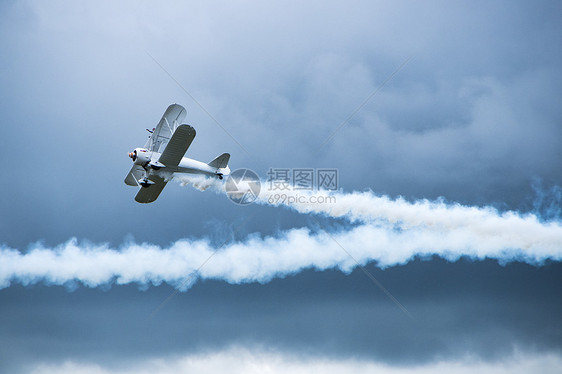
(221, 161)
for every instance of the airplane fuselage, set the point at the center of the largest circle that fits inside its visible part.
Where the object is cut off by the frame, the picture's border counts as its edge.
(188, 165)
(149, 161)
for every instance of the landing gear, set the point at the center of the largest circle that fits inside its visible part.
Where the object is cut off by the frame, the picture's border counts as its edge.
(145, 182)
(155, 165)
(219, 175)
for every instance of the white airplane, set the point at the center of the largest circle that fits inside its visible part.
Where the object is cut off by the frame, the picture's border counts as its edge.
(162, 156)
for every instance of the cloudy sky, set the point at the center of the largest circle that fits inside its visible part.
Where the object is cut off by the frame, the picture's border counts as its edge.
(442, 250)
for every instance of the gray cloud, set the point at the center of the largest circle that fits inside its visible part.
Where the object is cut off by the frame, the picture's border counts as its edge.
(473, 117)
(458, 309)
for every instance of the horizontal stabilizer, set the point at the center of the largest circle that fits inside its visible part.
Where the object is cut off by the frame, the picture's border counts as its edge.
(220, 162)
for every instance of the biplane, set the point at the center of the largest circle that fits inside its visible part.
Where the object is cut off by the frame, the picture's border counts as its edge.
(163, 156)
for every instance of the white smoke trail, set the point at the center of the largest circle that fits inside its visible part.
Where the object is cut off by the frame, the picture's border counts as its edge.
(484, 225)
(256, 259)
(510, 229)
(389, 232)
(200, 182)
(516, 230)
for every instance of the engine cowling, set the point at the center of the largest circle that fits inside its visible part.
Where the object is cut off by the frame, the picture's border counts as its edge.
(140, 156)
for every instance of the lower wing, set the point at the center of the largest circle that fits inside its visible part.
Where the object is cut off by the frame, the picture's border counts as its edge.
(134, 175)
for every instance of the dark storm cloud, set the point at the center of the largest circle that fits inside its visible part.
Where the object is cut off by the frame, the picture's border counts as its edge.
(480, 309)
(474, 116)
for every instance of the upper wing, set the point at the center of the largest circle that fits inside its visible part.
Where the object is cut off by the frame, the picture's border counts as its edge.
(134, 175)
(150, 193)
(177, 146)
(166, 127)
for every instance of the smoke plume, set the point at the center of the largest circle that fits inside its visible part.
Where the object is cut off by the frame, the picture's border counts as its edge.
(386, 231)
